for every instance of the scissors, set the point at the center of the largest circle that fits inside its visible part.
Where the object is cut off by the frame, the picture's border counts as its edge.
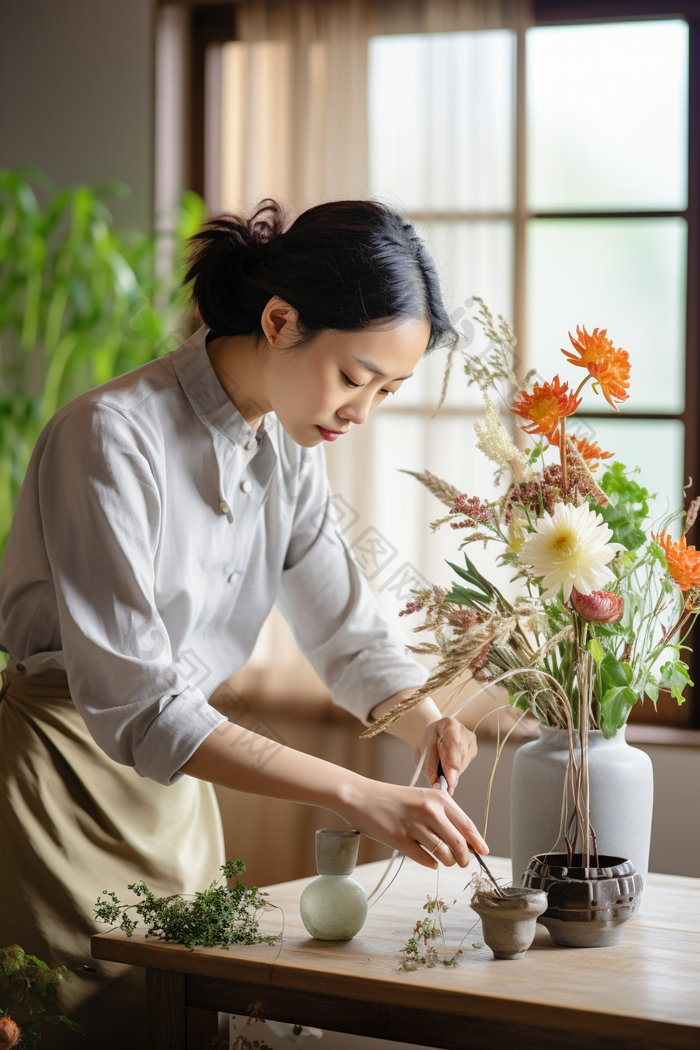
(441, 784)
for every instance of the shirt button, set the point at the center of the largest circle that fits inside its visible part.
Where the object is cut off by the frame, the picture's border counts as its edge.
(224, 507)
(232, 577)
(246, 486)
(250, 443)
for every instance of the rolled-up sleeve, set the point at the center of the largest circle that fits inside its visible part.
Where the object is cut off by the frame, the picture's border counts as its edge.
(100, 506)
(333, 614)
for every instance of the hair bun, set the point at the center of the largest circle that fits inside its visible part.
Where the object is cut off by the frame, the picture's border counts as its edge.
(341, 265)
(267, 223)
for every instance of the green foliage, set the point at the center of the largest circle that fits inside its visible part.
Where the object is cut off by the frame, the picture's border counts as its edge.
(419, 949)
(27, 987)
(480, 594)
(216, 917)
(80, 303)
(675, 677)
(628, 508)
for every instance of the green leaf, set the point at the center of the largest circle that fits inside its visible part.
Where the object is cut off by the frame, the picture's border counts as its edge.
(628, 509)
(595, 649)
(675, 677)
(651, 689)
(462, 596)
(12, 960)
(615, 674)
(614, 709)
(471, 576)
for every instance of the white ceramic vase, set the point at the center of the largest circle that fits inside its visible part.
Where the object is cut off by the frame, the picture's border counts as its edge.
(621, 798)
(334, 907)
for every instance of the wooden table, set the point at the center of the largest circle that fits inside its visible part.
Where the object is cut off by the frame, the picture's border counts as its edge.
(644, 993)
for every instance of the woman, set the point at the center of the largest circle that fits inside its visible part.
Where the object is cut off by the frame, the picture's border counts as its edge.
(162, 516)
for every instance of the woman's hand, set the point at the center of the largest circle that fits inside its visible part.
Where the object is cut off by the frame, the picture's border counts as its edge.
(410, 818)
(404, 818)
(448, 742)
(444, 740)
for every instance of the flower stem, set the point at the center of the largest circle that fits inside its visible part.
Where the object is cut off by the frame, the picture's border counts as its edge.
(582, 384)
(562, 455)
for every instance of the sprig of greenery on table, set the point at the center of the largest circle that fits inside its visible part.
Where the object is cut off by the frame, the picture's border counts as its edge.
(216, 917)
(418, 949)
(27, 987)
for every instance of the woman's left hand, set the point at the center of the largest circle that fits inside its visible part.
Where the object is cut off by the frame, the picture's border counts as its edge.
(448, 742)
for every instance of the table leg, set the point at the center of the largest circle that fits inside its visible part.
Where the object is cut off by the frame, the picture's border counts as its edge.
(202, 1029)
(166, 1010)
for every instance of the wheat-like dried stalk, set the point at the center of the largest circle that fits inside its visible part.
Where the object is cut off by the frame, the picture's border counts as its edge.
(459, 652)
(445, 492)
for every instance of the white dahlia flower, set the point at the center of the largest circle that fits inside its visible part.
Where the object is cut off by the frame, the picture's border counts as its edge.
(570, 548)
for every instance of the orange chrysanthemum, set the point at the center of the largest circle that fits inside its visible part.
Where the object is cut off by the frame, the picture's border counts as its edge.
(545, 406)
(588, 450)
(591, 452)
(683, 561)
(609, 367)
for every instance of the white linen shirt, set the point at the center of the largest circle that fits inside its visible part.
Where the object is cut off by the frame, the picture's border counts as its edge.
(154, 532)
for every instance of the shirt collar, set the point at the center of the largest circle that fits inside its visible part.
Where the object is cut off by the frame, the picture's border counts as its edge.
(206, 394)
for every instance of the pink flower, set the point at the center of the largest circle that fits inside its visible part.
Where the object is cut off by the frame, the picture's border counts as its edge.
(598, 606)
(10, 1033)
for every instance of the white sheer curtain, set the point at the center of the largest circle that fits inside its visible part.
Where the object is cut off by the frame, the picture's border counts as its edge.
(413, 101)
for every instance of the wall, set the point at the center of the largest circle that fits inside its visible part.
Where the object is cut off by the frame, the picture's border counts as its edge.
(76, 88)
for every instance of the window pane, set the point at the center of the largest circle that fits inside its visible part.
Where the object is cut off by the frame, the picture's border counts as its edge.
(441, 119)
(472, 258)
(404, 508)
(656, 446)
(608, 115)
(626, 275)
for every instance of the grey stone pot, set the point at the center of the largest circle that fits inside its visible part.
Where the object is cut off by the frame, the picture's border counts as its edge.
(509, 922)
(587, 907)
(621, 797)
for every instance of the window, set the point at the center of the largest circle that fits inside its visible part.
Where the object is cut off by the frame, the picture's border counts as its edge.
(548, 168)
(604, 177)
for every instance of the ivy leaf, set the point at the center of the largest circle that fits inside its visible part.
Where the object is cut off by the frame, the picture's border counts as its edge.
(675, 677)
(615, 674)
(614, 709)
(651, 688)
(628, 508)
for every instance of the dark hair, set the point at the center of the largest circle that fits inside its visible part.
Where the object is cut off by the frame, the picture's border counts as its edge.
(342, 265)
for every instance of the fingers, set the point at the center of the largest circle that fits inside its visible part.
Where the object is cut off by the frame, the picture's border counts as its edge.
(429, 745)
(415, 851)
(467, 827)
(456, 749)
(447, 824)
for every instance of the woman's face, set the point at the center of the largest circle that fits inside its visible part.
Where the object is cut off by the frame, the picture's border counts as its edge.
(337, 379)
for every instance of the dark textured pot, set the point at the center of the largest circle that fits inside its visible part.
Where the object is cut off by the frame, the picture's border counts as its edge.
(588, 907)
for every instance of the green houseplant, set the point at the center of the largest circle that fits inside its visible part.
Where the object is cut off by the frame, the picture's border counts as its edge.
(80, 303)
(27, 988)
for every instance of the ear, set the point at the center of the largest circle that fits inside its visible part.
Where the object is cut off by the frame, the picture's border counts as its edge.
(279, 322)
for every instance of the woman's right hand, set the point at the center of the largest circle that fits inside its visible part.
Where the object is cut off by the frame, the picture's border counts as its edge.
(408, 818)
(402, 817)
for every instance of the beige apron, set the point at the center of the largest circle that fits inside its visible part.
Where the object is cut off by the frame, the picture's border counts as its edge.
(73, 823)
